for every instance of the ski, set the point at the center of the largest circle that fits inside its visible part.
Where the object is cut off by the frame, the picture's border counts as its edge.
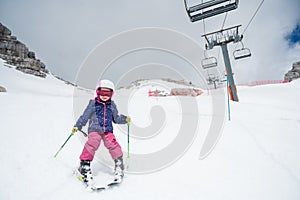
(98, 188)
(114, 183)
(107, 186)
(94, 188)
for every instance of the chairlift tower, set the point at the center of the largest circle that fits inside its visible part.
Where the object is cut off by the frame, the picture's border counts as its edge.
(219, 38)
(222, 38)
(213, 81)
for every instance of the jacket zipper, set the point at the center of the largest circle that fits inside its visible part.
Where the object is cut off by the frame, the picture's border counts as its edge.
(104, 118)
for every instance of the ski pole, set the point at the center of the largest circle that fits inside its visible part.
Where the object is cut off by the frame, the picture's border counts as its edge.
(128, 125)
(62, 146)
(228, 104)
(84, 133)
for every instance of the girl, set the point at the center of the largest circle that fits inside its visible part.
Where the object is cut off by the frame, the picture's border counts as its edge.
(101, 112)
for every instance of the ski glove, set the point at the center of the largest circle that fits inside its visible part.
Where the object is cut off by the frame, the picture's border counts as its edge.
(128, 120)
(75, 129)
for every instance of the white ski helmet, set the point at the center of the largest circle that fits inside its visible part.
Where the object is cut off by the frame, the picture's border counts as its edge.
(106, 84)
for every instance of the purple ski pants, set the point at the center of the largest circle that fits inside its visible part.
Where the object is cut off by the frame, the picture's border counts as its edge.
(93, 143)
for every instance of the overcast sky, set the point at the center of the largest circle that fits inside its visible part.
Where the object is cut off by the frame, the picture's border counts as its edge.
(64, 32)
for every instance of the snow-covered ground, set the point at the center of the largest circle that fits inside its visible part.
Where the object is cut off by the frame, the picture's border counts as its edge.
(257, 156)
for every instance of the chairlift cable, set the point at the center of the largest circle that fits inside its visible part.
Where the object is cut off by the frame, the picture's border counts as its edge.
(224, 20)
(223, 24)
(259, 6)
(250, 21)
(204, 30)
(219, 52)
(203, 22)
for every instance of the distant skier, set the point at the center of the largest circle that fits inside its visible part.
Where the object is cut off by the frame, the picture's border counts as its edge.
(101, 112)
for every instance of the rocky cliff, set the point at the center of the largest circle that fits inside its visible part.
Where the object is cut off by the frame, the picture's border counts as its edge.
(2, 89)
(16, 53)
(294, 73)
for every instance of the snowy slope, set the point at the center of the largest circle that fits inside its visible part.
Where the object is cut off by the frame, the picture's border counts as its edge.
(257, 156)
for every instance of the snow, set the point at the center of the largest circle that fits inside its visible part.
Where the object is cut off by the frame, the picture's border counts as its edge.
(257, 156)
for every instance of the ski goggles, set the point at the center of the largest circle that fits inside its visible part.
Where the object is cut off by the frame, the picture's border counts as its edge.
(107, 93)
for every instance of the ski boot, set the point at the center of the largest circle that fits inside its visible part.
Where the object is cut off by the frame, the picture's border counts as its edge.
(85, 172)
(118, 172)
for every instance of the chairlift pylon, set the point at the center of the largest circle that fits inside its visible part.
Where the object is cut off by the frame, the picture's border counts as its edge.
(241, 52)
(209, 8)
(212, 80)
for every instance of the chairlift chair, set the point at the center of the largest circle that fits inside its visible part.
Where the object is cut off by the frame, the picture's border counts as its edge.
(209, 8)
(213, 80)
(209, 62)
(241, 53)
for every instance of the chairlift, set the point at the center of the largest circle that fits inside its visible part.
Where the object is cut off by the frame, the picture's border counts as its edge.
(213, 80)
(209, 8)
(209, 62)
(241, 53)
